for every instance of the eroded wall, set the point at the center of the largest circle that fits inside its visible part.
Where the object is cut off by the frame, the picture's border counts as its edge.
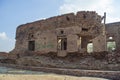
(85, 24)
(113, 30)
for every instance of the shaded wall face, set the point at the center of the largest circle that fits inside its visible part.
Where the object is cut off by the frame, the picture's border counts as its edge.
(72, 43)
(112, 35)
(46, 42)
(113, 30)
(99, 43)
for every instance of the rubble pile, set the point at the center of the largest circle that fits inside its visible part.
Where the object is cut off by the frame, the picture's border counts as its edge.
(107, 62)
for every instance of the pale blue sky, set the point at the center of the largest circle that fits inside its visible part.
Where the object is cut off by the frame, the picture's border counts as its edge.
(16, 12)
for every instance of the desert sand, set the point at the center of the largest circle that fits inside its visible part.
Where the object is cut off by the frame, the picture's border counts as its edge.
(18, 74)
(44, 77)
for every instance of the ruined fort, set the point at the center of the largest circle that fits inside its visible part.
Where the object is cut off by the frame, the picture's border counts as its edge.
(62, 34)
(68, 37)
(66, 34)
(82, 40)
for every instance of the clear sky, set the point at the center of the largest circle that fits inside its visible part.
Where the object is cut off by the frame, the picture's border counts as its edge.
(16, 12)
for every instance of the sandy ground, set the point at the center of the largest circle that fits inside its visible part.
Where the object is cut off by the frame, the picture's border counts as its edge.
(17, 74)
(43, 77)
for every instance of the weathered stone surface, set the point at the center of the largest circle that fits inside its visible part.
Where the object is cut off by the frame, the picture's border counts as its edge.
(45, 33)
(97, 62)
(99, 43)
(3, 55)
(73, 33)
(113, 30)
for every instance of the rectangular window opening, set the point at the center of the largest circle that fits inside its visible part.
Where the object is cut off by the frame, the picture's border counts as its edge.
(111, 46)
(31, 45)
(79, 43)
(84, 29)
(62, 43)
(90, 47)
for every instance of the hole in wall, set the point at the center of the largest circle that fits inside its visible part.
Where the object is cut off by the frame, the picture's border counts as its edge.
(111, 46)
(62, 43)
(62, 32)
(84, 16)
(30, 36)
(84, 29)
(90, 47)
(31, 45)
(68, 19)
(110, 38)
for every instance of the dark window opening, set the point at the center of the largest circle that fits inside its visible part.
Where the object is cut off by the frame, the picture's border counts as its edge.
(84, 29)
(31, 45)
(62, 43)
(62, 31)
(84, 16)
(18, 55)
(32, 36)
(68, 19)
